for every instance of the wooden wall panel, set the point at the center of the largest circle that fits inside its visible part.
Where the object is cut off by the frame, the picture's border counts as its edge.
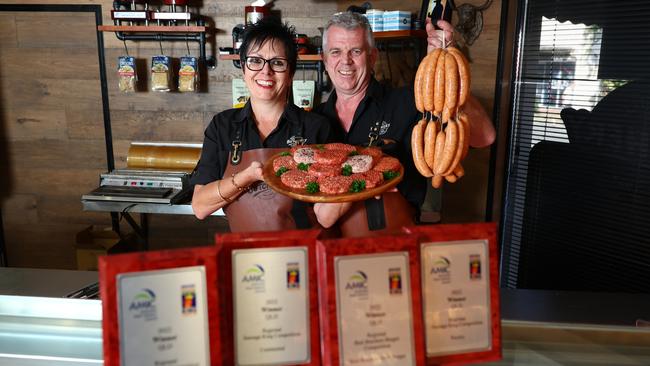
(30, 124)
(50, 93)
(55, 30)
(56, 154)
(7, 31)
(26, 205)
(44, 63)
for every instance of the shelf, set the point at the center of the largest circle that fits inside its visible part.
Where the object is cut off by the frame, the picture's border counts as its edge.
(152, 28)
(397, 35)
(314, 57)
(159, 33)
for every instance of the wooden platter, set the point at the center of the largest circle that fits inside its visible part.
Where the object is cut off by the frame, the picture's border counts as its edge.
(276, 184)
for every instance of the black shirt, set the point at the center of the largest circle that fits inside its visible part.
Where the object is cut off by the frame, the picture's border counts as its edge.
(222, 129)
(394, 110)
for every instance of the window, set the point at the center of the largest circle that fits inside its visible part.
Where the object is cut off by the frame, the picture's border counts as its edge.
(576, 213)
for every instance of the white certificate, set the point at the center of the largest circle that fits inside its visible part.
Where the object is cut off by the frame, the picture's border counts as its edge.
(374, 310)
(163, 317)
(456, 293)
(271, 305)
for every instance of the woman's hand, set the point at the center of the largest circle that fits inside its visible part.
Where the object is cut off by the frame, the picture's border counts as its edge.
(213, 196)
(250, 175)
(434, 36)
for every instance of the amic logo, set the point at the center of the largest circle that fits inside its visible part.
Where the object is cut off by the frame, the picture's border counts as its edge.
(254, 274)
(440, 265)
(358, 280)
(143, 300)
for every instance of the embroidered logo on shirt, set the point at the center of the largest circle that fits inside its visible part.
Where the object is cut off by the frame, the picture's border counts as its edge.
(296, 140)
(384, 127)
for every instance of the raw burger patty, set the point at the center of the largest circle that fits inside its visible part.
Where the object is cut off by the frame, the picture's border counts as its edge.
(339, 146)
(335, 185)
(330, 157)
(387, 163)
(375, 152)
(322, 170)
(295, 179)
(372, 177)
(283, 161)
(359, 163)
(304, 155)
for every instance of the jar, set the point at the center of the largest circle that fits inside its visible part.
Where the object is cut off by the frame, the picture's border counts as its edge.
(254, 13)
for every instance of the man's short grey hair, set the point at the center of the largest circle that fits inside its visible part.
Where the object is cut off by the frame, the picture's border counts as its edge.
(350, 21)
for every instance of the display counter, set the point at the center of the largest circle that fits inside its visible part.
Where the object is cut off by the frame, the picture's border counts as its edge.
(39, 326)
(55, 331)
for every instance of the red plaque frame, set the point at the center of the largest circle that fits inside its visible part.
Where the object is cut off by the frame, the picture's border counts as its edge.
(111, 266)
(265, 240)
(328, 249)
(478, 231)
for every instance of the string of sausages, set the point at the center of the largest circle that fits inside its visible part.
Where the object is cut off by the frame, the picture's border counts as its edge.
(440, 140)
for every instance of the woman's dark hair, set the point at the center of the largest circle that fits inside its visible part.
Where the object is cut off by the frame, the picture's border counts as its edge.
(269, 29)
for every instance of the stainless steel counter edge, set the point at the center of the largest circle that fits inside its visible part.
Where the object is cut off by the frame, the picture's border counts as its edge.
(132, 207)
(39, 331)
(51, 308)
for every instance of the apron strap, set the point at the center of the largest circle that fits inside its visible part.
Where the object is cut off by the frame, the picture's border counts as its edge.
(375, 214)
(235, 151)
(299, 214)
(299, 209)
(375, 207)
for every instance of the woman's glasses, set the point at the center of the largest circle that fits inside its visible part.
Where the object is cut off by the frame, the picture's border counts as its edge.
(255, 63)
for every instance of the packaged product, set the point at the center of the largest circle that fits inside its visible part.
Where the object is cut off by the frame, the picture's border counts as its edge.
(188, 74)
(126, 74)
(160, 73)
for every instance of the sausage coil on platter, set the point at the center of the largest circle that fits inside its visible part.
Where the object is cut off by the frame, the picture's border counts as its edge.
(333, 172)
(440, 140)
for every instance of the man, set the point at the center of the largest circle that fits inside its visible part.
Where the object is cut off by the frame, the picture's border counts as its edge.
(360, 106)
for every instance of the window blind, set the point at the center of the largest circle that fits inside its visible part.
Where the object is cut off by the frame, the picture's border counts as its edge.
(576, 212)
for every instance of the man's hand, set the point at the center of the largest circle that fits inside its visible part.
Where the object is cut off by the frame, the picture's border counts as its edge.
(434, 36)
(328, 213)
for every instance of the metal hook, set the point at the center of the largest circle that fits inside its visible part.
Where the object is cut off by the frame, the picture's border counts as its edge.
(126, 49)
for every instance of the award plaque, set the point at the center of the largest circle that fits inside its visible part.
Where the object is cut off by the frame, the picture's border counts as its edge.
(460, 292)
(370, 301)
(271, 298)
(160, 307)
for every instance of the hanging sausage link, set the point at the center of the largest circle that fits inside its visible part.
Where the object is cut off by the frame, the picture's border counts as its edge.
(439, 144)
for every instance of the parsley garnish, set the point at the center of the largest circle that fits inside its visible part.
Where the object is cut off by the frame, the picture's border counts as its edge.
(312, 187)
(357, 186)
(353, 153)
(390, 174)
(320, 147)
(285, 153)
(303, 166)
(346, 170)
(282, 170)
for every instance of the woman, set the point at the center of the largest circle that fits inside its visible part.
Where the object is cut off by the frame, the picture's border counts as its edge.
(237, 141)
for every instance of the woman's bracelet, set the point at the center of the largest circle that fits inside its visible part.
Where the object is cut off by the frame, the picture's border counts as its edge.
(219, 192)
(239, 188)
